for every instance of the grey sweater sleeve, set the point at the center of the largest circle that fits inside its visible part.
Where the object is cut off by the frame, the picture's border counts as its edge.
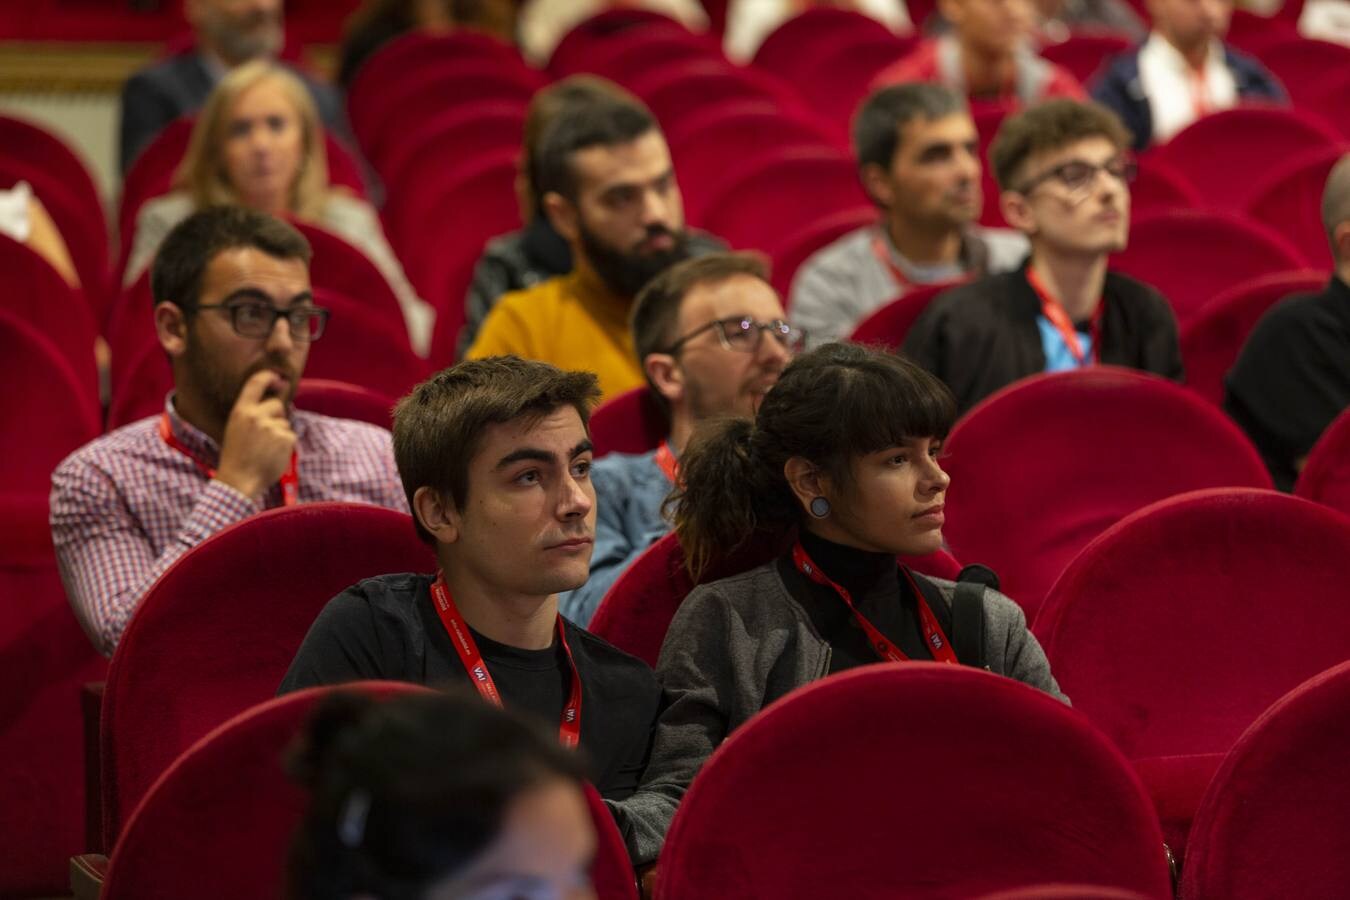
(1010, 647)
(696, 672)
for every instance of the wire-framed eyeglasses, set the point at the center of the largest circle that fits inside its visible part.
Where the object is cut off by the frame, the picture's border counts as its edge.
(1077, 175)
(743, 334)
(255, 319)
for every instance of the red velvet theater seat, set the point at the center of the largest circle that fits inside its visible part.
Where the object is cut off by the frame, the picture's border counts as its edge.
(344, 401)
(1275, 819)
(1042, 467)
(632, 422)
(636, 613)
(1177, 626)
(886, 326)
(218, 630)
(912, 780)
(44, 659)
(1325, 478)
(37, 294)
(217, 823)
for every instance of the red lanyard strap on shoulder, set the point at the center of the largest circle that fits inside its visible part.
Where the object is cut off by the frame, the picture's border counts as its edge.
(667, 463)
(569, 725)
(933, 634)
(1055, 314)
(290, 479)
(883, 254)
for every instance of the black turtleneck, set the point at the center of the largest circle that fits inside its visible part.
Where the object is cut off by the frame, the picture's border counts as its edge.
(879, 591)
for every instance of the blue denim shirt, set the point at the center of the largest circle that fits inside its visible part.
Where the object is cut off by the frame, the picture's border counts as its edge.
(629, 491)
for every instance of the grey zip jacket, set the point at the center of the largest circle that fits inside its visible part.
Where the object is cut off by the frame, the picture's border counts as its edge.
(737, 645)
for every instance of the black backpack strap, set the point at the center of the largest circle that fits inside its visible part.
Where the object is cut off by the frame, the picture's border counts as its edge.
(968, 624)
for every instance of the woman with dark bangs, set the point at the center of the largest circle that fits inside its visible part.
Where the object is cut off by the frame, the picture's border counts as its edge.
(842, 458)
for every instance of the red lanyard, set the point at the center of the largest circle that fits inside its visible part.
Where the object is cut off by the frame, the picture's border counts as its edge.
(290, 479)
(1199, 92)
(569, 726)
(883, 255)
(932, 631)
(1057, 317)
(667, 463)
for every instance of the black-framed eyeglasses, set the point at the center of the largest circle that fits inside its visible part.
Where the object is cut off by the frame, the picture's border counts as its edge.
(744, 334)
(255, 319)
(1078, 174)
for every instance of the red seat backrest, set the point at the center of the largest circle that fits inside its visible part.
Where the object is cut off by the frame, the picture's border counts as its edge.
(679, 88)
(48, 411)
(837, 75)
(37, 294)
(1271, 821)
(1181, 623)
(632, 422)
(1084, 54)
(792, 47)
(1302, 64)
(1159, 188)
(1088, 438)
(219, 629)
(149, 176)
(760, 203)
(762, 816)
(1289, 199)
(226, 798)
(392, 64)
(340, 266)
(1212, 339)
(44, 659)
(451, 138)
(614, 24)
(1219, 158)
(344, 401)
(1325, 477)
(888, 325)
(1193, 256)
(363, 348)
(628, 55)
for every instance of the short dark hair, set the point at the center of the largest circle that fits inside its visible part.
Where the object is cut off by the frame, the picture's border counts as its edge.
(830, 405)
(656, 310)
(439, 426)
(880, 118)
(547, 105)
(407, 791)
(181, 261)
(604, 120)
(1046, 127)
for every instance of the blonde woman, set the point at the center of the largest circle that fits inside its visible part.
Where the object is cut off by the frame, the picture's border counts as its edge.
(259, 143)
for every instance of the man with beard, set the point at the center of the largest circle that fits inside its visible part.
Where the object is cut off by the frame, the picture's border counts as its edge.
(918, 159)
(234, 312)
(712, 337)
(227, 33)
(607, 184)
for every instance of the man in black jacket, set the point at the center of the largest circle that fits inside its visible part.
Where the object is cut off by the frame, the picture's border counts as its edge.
(1064, 172)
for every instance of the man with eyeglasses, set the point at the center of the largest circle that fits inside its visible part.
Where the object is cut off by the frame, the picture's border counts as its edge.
(713, 338)
(234, 312)
(1064, 171)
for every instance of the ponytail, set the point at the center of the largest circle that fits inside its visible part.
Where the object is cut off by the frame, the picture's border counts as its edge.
(727, 492)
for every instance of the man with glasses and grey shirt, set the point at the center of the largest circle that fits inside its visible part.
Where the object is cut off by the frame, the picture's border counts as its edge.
(1064, 171)
(918, 160)
(235, 315)
(712, 338)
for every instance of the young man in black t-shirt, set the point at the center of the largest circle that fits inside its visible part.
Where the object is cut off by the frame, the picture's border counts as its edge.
(495, 459)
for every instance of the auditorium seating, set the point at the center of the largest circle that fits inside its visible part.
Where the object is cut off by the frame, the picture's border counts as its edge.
(762, 202)
(210, 638)
(837, 75)
(888, 325)
(44, 659)
(1218, 157)
(35, 293)
(340, 266)
(615, 24)
(47, 412)
(1084, 54)
(626, 57)
(791, 48)
(636, 612)
(1192, 256)
(675, 90)
(1013, 787)
(454, 136)
(344, 401)
(1178, 625)
(1273, 821)
(1213, 337)
(363, 348)
(1065, 455)
(1303, 64)
(1289, 199)
(1325, 477)
(632, 422)
(225, 798)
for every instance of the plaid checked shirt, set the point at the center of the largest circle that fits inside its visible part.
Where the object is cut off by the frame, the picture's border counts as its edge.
(126, 506)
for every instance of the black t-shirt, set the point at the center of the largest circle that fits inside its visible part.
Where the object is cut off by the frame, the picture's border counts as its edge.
(1293, 377)
(387, 628)
(874, 582)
